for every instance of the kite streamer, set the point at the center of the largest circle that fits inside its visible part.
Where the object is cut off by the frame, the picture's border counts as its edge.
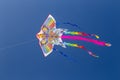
(65, 55)
(68, 23)
(71, 24)
(101, 43)
(81, 34)
(82, 47)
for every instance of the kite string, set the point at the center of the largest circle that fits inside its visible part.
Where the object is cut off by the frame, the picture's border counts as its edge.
(17, 44)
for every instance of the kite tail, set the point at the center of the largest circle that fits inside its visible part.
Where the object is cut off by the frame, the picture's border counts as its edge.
(71, 24)
(60, 52)
(81, 34)
(65, 55)
(76, 33)
(68, 23)
(97, 42)
(82, 47)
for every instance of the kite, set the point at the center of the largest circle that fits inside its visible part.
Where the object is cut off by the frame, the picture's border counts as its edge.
(49, 36)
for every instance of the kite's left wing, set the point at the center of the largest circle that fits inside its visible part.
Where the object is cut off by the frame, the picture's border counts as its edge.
(47, 48)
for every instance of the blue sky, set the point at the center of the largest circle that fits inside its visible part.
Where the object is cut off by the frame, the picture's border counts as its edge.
(21, 57)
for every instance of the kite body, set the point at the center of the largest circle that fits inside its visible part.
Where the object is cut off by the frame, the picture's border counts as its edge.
(49, 36)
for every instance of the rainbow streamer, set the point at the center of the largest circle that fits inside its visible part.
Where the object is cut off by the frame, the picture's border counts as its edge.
(81, 34)
(101, 43)
(82, 47)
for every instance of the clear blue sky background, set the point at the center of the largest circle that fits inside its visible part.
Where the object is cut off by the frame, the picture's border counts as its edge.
(20, 20)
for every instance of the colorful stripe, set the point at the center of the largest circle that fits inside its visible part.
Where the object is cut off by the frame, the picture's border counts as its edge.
(50, 23)
(81, 34)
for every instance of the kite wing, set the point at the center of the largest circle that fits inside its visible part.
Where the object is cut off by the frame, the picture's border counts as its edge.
(49, 23)
(46, 48)
(46, 44)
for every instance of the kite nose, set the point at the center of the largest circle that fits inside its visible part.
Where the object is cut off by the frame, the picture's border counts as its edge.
(38, 36)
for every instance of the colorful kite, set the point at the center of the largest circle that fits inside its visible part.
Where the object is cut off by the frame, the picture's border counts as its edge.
(49, 36)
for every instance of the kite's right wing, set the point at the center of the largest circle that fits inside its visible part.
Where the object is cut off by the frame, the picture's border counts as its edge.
(49, 23)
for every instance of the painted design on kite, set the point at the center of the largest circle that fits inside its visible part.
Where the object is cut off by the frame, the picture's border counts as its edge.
(49, 36)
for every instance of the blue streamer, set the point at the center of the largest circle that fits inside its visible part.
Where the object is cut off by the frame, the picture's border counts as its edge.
(66, 56)
(68, 23)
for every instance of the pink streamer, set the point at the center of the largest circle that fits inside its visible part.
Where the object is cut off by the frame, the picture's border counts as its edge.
(101, 43)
